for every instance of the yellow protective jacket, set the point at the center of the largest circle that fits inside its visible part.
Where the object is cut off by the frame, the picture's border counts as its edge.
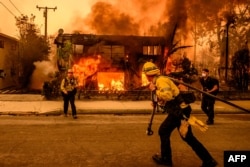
(166, 90)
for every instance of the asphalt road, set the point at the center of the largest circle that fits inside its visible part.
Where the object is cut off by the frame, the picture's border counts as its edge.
(109, 140)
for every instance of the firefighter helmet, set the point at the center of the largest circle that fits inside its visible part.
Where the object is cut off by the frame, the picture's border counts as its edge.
(150, 68)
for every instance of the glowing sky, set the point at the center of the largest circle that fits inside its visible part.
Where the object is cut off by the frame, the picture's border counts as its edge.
(60, 18)
(91, 16)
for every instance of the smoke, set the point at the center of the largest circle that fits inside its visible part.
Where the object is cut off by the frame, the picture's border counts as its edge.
(44, 71)
(144, 17)
(106, 19)
(139, 17)
(120, 18)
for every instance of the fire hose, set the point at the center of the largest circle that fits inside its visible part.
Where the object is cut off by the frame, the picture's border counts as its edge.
(150, 132)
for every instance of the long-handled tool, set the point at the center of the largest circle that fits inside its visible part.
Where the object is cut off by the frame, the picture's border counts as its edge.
(201, 91)
(149, 131)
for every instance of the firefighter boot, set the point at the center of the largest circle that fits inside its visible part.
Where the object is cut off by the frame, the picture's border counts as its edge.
(162, 160)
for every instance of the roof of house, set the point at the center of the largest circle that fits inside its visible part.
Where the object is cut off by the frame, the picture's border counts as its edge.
(9, 37)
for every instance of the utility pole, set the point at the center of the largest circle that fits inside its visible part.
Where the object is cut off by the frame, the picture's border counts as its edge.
(45, 14)
(230, 20)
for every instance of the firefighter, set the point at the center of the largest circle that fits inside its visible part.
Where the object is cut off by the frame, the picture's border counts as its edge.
(168, 95)
(69, 89)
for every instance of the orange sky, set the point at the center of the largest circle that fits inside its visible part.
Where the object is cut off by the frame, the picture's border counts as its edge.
(68, 11)
(60, 18)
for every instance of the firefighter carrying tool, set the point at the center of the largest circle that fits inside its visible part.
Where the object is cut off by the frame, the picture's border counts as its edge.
(178, 111)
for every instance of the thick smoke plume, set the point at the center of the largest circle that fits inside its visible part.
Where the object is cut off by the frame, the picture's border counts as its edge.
(44, 71)
(106, 19)
(145, 17)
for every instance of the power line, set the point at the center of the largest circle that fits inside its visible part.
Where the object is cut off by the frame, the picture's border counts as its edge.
(15, 7)
(8, 10)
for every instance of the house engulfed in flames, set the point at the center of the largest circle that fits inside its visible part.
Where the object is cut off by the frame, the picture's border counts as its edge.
(107, 62)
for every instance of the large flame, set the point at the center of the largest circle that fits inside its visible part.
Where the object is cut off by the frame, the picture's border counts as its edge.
(86, 67)
(110, 81)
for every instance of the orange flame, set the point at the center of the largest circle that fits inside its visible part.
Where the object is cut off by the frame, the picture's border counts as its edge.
(107, 81)
(110, 81)
(86, 67)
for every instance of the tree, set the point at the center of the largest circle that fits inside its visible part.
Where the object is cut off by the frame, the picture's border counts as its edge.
(32, 47)
(215, 22)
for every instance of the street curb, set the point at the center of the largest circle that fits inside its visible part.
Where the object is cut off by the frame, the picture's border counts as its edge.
(110, 111)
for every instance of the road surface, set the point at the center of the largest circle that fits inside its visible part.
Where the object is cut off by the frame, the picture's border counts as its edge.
(109, 140)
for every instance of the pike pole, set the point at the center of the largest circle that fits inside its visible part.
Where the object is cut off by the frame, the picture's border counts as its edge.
(217, 98)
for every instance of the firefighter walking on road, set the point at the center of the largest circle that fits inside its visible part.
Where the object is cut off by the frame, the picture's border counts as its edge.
(168, 95)
(69, 89)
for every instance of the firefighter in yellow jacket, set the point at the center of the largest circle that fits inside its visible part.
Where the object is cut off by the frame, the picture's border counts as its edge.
(168, 95)
(69, 89)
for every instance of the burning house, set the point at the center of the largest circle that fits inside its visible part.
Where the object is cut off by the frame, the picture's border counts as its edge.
(107, 62)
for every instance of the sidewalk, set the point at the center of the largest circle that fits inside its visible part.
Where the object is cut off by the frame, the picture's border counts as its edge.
(26, 104)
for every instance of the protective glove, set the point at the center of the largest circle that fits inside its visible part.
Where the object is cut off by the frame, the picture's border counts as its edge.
(184, 114)
(193, 121)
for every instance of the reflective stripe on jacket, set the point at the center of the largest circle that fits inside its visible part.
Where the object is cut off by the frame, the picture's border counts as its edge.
(166, 90)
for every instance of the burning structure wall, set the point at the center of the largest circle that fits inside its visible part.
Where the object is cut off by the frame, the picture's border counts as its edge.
(107, 62)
